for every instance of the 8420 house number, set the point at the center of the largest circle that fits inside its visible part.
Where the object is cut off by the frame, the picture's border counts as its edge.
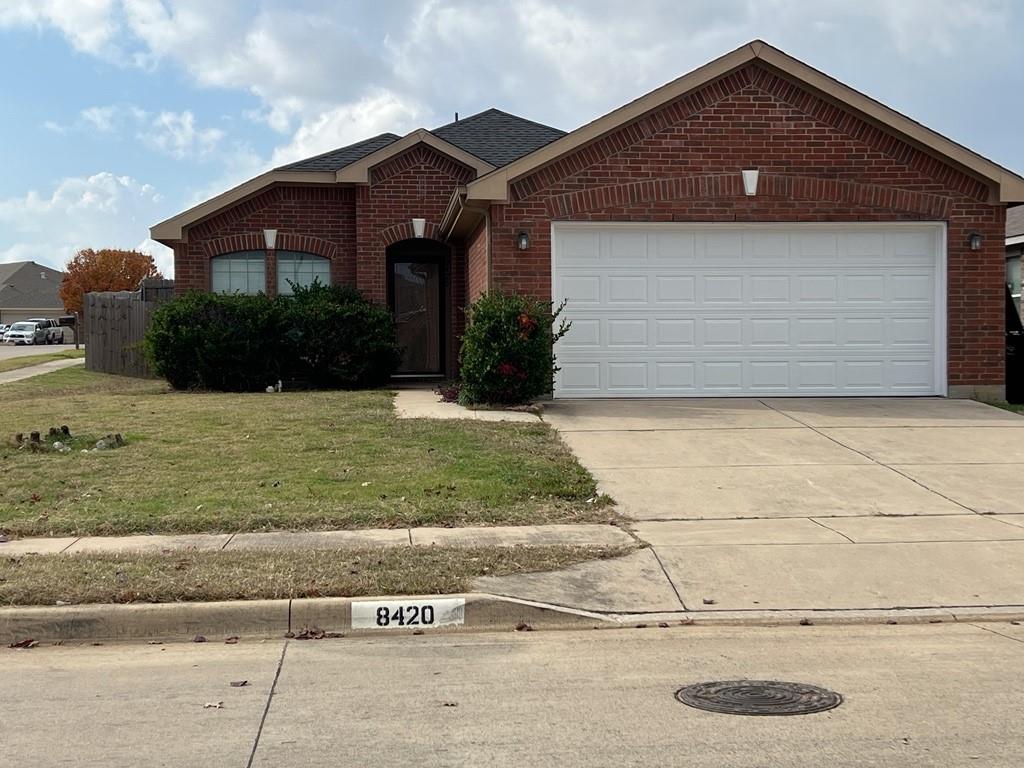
(395, 614)
(406, 616)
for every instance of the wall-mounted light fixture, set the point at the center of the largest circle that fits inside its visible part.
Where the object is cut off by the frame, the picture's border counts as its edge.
(749, 181)
(270, 238)
(974, 241)
(523, 240)
(419, 226)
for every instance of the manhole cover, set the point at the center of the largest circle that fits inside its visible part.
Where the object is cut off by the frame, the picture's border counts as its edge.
(758, 697)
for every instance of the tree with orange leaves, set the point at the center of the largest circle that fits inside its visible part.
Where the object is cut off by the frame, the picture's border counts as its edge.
(107, 269)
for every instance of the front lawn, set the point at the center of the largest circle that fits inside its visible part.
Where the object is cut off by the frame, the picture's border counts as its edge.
(245, 462)
(347, 572)
(14, 363)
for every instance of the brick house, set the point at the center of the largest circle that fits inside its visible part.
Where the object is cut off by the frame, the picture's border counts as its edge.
(753, 228)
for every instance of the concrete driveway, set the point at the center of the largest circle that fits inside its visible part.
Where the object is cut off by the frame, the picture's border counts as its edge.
(864, 503)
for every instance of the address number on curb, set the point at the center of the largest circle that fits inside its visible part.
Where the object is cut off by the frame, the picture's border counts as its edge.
(414, 614)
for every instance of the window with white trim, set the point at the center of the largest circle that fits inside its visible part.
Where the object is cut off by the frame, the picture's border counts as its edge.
(239, 272)
(301, 269)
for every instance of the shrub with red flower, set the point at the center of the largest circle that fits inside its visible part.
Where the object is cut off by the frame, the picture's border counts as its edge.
(507, 350)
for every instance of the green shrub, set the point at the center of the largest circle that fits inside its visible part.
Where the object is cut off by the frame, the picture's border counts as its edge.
(507, 352)
(324, 336)
(231, 343)
(341, 339)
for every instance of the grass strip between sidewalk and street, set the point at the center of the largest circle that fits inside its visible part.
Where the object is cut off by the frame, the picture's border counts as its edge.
(205, 462)
(27, 361)
(206, 576)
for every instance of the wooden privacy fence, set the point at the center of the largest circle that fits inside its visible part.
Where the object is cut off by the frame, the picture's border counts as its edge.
(115, 324)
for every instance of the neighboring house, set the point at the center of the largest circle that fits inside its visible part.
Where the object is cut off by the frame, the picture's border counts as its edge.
(1014, 250)
(752, 228)
(29, 290)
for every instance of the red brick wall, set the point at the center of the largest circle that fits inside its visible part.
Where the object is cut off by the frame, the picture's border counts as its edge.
(319, 220)
(418, 183)
(476, 259)
(817, 163)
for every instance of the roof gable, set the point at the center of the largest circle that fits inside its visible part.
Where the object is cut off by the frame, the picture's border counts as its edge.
(497, 137)
(1006, 186)
(22, 286)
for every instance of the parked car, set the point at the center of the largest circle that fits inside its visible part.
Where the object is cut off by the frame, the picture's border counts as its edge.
(3, 330)
(25, 332)
(54, 333)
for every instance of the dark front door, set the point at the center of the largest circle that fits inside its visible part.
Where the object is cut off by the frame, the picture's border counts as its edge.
(416, 288)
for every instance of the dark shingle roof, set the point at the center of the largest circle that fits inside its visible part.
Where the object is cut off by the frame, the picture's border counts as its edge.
(23, 286)
(494, 136)
(339, 158)
(1015, 221)
(497, 137)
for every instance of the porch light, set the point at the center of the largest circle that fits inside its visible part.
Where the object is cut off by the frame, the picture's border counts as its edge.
(749, 181)
(523, 240)
(270, 238)
(974, 241)
(419, 226)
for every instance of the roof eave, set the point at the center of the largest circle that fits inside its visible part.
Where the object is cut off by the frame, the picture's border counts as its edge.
(172, 230)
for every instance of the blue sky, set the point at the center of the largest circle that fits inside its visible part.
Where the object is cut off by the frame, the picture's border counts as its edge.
(120, 113)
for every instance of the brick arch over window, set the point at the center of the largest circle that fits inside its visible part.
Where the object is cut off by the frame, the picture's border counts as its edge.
(254, 241)
(730, 185)
(403, 231)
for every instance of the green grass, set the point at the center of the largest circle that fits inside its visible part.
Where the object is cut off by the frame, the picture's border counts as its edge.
(1013, 407)
(199, 576)
(246, 462)
(14, 363)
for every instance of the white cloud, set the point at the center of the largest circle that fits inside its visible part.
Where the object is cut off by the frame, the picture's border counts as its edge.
(380, 112)
(176, 134)
(103, 210)
(89, 25)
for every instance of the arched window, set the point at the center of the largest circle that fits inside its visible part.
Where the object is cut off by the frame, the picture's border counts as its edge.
(239, 272)
(301, 269)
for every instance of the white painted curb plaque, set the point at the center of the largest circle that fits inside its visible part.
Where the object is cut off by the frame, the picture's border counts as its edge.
(405, 614)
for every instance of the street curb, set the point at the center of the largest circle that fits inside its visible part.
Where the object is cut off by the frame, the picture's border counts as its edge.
(267, 618)
(216, 621)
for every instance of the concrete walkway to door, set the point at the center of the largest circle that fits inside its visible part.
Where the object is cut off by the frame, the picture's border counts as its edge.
(799, 504)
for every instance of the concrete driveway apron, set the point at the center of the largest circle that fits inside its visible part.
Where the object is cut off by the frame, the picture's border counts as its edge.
(847, 503)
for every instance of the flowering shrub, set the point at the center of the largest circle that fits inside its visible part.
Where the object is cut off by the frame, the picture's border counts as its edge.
(507, 355)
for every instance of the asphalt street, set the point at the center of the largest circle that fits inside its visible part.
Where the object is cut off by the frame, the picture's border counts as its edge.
(925, 695)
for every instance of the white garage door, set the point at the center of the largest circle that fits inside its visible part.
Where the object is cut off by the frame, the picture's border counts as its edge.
(669, 310)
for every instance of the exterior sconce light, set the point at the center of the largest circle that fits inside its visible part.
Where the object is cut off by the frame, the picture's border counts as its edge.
(270, 238)
(974, 241)
(523, 240)
(749, 181)
(419, 226)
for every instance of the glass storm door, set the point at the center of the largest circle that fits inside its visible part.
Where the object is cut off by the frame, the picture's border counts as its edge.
(416, 293)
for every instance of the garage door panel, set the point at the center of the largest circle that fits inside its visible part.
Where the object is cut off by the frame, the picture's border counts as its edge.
(687, 309)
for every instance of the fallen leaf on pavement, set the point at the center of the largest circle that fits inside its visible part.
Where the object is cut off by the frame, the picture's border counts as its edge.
(199, 639)
(213, 705)
(239, 683)
(231, 640)
(523, 627)
(27, 643)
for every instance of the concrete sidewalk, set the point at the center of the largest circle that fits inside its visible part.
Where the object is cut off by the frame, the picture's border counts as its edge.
(7, 377)
(498, 536)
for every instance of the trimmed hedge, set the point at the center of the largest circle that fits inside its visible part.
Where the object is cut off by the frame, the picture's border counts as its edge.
(326, 336)
(507, 351)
